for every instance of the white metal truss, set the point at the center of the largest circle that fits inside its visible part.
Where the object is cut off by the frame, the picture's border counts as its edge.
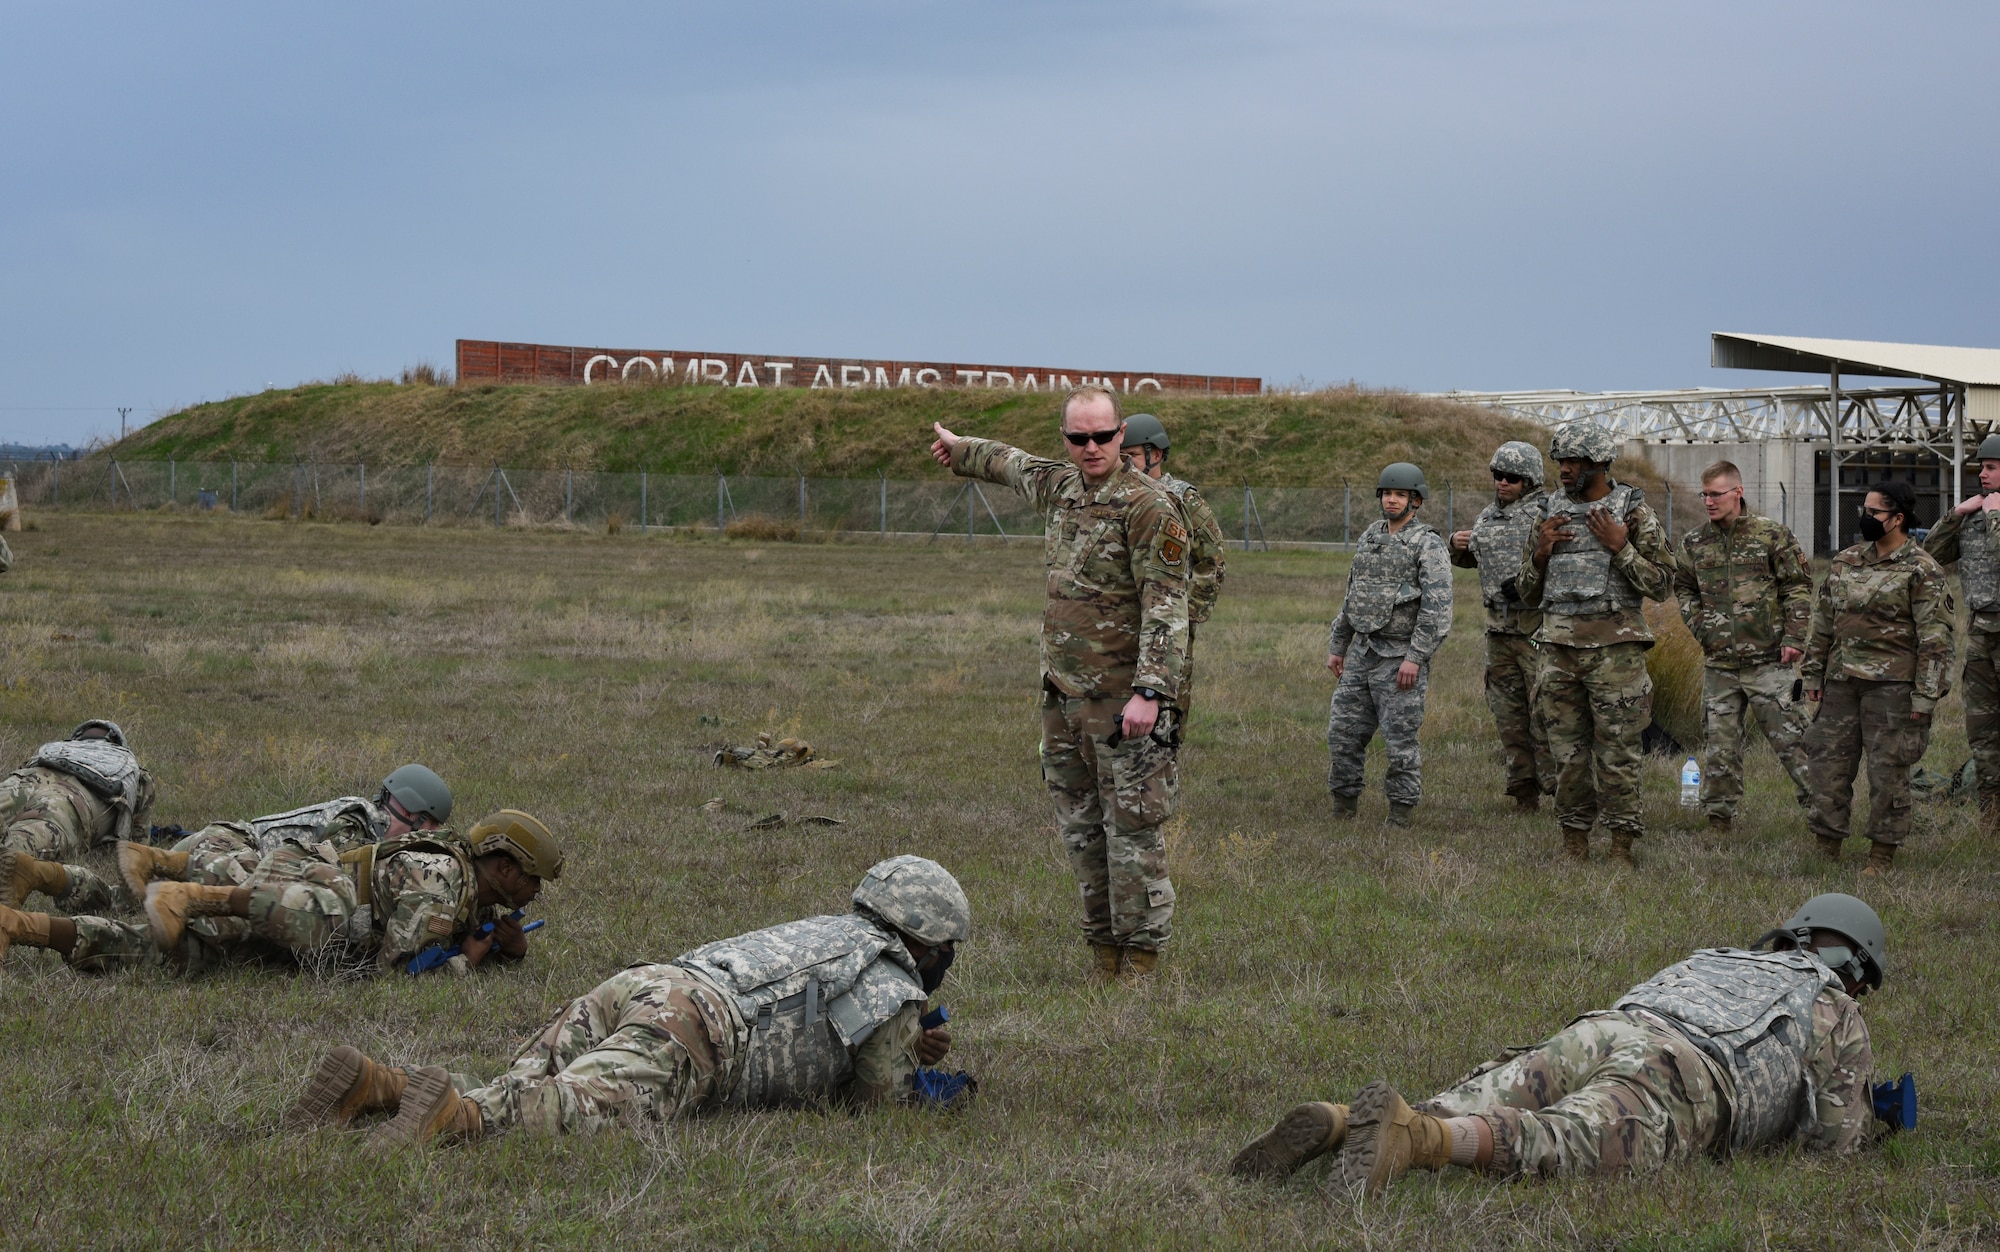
(1870, 417)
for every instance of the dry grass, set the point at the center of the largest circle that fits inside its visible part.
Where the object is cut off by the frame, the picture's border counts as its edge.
(590, 677)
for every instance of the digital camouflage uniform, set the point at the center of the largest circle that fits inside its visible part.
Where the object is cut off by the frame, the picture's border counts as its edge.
(65, 810)
(1878, 649)
(1974, 543)
(1205, 568)
(731, 1024)
(1745, 591)
(1634, 1087)
(308, 901)
(1595, 696)
(1397, 608)
(227, 853)
(1513, 660)
(1116, 620)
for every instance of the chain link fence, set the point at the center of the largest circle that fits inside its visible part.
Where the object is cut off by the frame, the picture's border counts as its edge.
(757, 507)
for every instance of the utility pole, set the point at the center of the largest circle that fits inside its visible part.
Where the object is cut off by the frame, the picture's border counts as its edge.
(121, 422)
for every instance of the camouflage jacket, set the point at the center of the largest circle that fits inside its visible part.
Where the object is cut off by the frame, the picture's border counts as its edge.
(1398, 593)
(1646, 562)
(1840, 1068)
(423, 893)
(1499, 535)
(1744, 590)
(1205, 546)
(1883, 619)
(1118, 558)
(1973, 543)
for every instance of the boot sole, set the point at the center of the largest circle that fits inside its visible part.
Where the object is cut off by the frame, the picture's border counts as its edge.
(1361, 1160)
(423, 1100)
(1280, 1151)
(320, 1105)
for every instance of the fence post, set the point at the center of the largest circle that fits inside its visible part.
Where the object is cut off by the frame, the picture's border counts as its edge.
(114, 484)
(173, 482)
(361, 473)
(1784, 506)
(55, 484)
(721, 492)
(802, 501)
(1670, 512)
(496, 495)
(1246, 515)
(232, 486)
(970, 516)
(885, 504)
(569, 493)
(430, 477)
(1346, 512)
(1450, 508)
(299, 489)
(642, 502)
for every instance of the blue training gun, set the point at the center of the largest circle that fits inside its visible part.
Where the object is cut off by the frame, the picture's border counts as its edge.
(934, 1087)
(431, 958)
(1896, 1103)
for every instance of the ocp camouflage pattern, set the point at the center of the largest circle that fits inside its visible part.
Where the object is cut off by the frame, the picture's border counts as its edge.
(1745, 590)
(53, 817)
(1881, 619)
(1205, 547)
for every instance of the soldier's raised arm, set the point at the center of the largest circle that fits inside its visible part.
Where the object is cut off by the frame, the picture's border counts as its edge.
(1943, 541)
(1038, 479)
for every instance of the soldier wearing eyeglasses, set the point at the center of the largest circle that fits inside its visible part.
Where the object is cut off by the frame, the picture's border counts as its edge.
(1114, 645)
(1745, 591)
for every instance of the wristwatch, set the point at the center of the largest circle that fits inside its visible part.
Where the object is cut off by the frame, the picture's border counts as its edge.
(1147, 692)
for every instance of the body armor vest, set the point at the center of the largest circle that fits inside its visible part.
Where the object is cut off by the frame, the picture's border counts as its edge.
(108, 770)
(303, 825)
(1384, 575)
(1752, 1013)
(1978, 563)
(1580, 578)
(366, 863)
(810, 991)
(1500, 542)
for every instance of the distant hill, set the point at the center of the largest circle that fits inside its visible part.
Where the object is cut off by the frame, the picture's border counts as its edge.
(1280, 440)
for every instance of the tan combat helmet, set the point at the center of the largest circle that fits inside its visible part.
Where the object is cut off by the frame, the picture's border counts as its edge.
(520, 836)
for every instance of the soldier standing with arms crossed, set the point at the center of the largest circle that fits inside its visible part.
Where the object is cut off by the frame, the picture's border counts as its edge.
(1493, 547)
(1145, 448)
(1746, 592)
(1114, 638)
(1970, 536)
(1596, 559)
(1394, 619)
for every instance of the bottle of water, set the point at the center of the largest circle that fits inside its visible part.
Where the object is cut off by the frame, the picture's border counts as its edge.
(1690, 785)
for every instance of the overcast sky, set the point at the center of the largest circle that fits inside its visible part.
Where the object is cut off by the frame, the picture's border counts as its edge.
(200, 200)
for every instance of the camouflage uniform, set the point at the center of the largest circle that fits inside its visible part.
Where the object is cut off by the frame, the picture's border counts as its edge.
(65, 812)
(1633, 1088)
(1745, 592)
(1397, 608)
(665, 1041)
(310, 902)
(1974, 543)
(1116, 620)
(1205, 568)
(228, 853)
(1595, 696)
(6, 556)
(1879, 649)
(1513, 659)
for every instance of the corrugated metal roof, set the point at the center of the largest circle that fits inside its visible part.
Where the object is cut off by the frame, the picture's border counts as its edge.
(1975, 367)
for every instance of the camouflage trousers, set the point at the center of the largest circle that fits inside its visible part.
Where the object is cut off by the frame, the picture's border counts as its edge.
(221, 854)
(1857, 716)
(42, 819)
(1608, 1093)
(1764, 691)
(1513, 665)
(1596, 703)
(650, 1042)
(1111, 800)
(1982, 709)
(1368, 700)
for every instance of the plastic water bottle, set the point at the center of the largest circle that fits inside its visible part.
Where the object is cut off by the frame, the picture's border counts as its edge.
(1690, 785)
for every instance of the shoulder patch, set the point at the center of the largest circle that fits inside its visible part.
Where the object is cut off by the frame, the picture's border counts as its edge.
(1175, 530)
(1171, 551)
(440, 926)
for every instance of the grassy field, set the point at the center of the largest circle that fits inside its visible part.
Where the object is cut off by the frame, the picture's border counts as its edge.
(589, 679)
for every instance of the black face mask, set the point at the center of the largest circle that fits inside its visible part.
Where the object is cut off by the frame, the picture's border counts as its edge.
(932, 971)
(1872, 528)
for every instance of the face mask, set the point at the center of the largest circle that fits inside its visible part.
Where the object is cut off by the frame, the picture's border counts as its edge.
(1872, 528)
(932, 972)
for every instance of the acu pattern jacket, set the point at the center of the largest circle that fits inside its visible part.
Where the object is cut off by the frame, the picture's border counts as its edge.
(1118, 557)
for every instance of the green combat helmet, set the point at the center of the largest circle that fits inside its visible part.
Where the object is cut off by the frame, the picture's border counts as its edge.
(1402, 476)
(419, 789)
(1989, 448)
(1583, 440)
(918, 897)
(520, 836)
(1853, 920)
(1143, 430)
(1522, 460)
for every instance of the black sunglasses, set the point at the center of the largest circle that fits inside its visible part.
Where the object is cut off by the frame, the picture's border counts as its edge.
(1098, 437)
(1508, 478)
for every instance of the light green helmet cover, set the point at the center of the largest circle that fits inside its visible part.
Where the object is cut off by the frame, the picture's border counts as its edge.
(1403, 476)
(1583, 440)
(1523, 460)
(918, 897)
(1143, 430)
(1989, 448)
(1852, 918)
(419, 789)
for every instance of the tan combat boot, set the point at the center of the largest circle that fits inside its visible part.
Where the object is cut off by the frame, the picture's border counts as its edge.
(1576, 844)
(22, 876)
(1721, 824)
(1308, 1131)
(1139, 965)
(170, 906)
(1106, 961)
(31, 929)
(1386, 1139)
(1881, 859)
(347, 1085)
(141, 863)
(1622, 849)
(430, 1110)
